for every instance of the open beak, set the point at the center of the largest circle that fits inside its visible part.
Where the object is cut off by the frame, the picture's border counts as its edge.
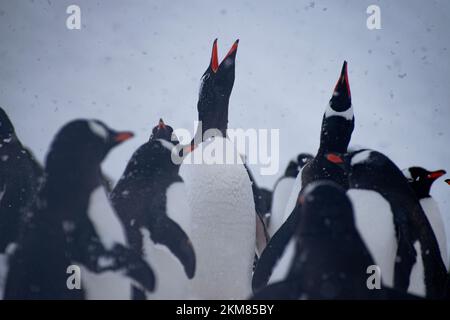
(123, 136)
(447, 181)
(436, 174)
(161, 124)
(215, 57)
(343, 80)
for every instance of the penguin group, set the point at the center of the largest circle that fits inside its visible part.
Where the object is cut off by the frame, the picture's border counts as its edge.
(345, 223)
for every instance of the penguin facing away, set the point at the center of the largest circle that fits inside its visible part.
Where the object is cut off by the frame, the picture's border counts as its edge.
(421, 180)
(393, 224)
(73, 224)
(331, 260)
(337, 126)
(20, 179)
(219, 194)
(151, 203)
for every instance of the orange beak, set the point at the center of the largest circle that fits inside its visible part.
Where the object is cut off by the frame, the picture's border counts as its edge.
(436, 174)
(161, 124)
(123, 136)
(215, 55)
(214, 58)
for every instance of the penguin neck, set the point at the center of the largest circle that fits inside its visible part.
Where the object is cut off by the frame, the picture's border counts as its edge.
(216, 120)
(335, 134)
(422, 190)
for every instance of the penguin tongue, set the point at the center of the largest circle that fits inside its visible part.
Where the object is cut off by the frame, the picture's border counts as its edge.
(342, 98)
(214, 58)
(436, 174)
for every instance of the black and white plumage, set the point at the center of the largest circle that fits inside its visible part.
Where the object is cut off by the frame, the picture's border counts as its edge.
(421, 180)
(337, 127)
(20, 179)
(282, 190)
(150, 197)
(220, 197)
(73, 223)
(392, 223)
(331, 259)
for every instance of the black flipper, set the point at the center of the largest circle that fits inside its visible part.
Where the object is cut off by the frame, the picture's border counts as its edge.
(167, 232)
(406, 257)
(285, 290)
(273, 252)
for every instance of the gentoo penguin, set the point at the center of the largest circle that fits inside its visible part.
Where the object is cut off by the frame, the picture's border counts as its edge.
(72, 225)
(393, 225)
(420, 180)
(337, 127)
(282, 191)
(263, 200)
(331, 260)
(20, 179)
(151, 202)
(219, 193)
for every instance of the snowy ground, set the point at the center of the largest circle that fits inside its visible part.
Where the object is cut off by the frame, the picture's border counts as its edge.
(133, 62)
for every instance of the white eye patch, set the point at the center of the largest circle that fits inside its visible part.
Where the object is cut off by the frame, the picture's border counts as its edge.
(407, 174)
(202, 82)
(98, 129)
(347, 114)
(361, 157)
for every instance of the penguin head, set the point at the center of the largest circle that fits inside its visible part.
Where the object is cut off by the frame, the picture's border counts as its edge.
(295, 165)
(421, 180)
(325, 209)
(6, 126)
(164, 132)
(85, 140)
(304, 158)
(371, 170)
(338, 121)
(342, 99)
(215, 89)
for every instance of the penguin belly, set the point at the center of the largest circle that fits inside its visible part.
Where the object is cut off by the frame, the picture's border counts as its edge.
(106, 285)
(296, 188)
(374, 221)
(431, 209)
(172, 282)
(417, 278)
(281, 196)
(222, 214)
